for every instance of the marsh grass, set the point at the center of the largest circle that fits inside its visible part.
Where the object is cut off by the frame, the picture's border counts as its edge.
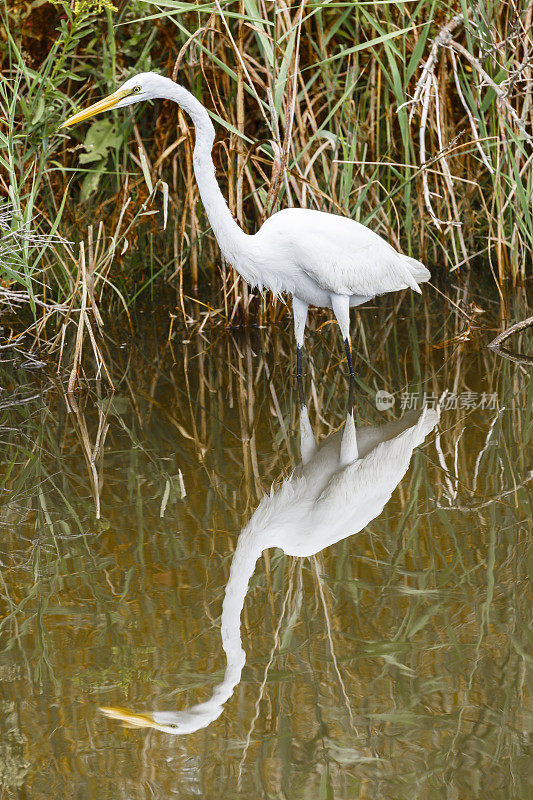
(412, 118)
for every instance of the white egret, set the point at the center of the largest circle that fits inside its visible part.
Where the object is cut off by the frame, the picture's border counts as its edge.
(321, 259)
(340, 486)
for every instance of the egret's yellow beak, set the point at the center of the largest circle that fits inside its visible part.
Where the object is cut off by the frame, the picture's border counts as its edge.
(97, 108)
(129, 718)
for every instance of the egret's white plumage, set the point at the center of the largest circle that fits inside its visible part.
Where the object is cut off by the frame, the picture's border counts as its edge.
(320, 259)
(337, 489)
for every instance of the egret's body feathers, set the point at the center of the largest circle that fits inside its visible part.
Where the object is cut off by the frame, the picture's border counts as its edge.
(313, 255)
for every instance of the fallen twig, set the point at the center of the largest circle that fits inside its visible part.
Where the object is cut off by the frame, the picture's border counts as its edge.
(496, 343)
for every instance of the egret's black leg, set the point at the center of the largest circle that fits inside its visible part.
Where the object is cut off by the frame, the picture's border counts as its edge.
(349, 357)
(299, 361)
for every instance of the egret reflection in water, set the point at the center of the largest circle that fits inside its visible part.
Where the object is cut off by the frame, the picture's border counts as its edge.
(338, 488)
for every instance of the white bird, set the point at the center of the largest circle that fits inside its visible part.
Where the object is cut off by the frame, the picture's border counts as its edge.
(339, 487)
(321, 259)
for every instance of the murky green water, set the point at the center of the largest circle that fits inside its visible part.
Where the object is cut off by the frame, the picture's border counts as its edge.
(394, 663)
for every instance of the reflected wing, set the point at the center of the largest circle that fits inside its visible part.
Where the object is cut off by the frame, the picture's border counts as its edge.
(359, 491)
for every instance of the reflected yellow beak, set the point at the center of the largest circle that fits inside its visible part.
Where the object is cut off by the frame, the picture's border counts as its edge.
(96, 108)
(129, 718)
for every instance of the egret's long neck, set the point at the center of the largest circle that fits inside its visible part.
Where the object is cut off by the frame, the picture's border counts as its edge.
(249, 548)
(233, 242)
(242, 568)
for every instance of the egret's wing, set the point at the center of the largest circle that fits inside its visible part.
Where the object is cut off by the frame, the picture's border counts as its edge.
(369, 436)
(342, 256)
(359, 491)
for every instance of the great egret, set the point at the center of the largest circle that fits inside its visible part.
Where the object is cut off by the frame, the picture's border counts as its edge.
(339, 487)
(320, 259)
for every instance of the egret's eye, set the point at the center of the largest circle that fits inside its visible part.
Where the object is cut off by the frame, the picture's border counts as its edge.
(136, 89)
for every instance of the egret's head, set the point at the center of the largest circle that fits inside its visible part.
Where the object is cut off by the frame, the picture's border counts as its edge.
(134, 719)
(174, 722)
(144, 86)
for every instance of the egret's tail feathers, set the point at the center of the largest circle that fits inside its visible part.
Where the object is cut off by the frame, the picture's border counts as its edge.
(420, 273)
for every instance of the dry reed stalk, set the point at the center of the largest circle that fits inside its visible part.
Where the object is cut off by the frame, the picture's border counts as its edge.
(84, 323)
(93, 455)
(275, 646)
(90, 275)
(496, 88)
(79, 332)
(241, 161)
(424, 87)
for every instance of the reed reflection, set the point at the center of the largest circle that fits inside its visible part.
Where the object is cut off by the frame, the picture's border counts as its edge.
(337, 489)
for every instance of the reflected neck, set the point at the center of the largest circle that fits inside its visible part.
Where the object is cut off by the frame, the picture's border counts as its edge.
(242, 568)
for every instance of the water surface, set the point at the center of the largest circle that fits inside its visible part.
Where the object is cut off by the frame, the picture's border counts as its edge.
(395, 663)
